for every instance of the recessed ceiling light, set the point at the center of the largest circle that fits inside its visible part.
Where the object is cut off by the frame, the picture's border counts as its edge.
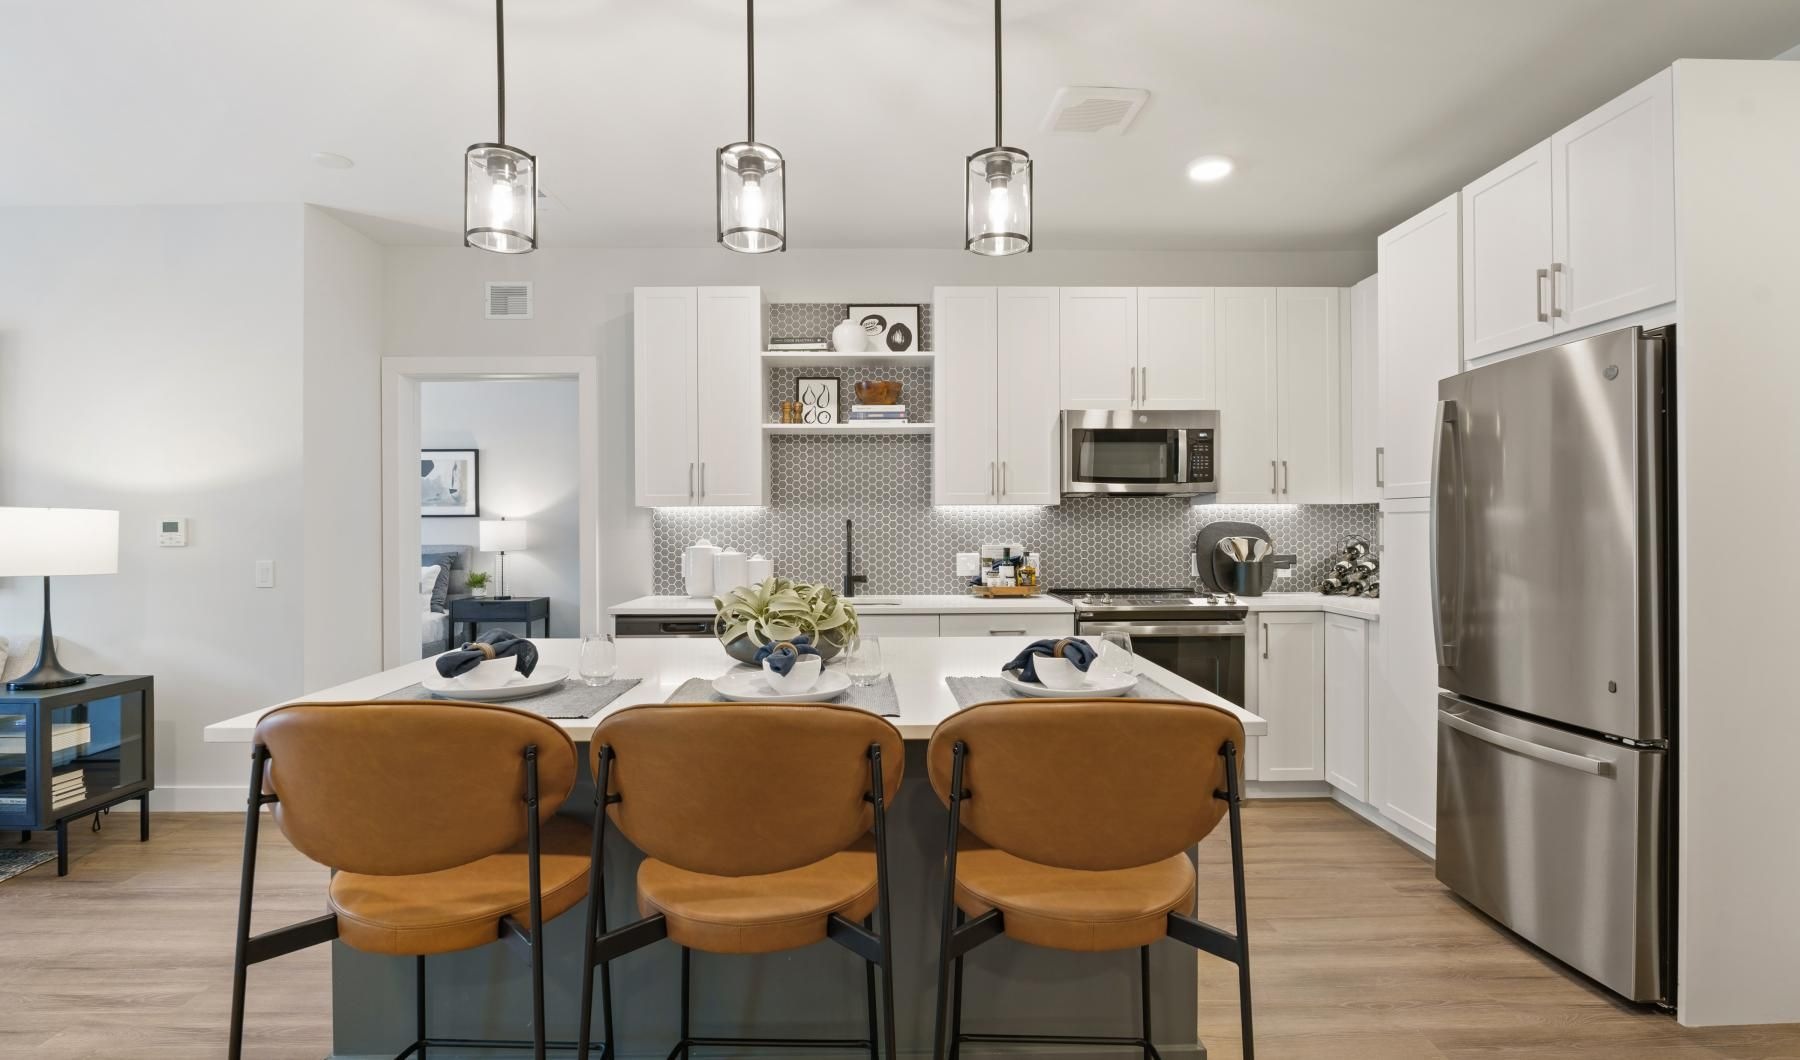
(332, 160)
(1209, 168)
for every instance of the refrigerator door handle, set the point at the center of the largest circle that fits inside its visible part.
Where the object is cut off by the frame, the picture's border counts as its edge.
(1599, 767)
(1445, 645)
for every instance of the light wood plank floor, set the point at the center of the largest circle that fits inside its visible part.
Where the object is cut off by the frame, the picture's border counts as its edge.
(1358, 955)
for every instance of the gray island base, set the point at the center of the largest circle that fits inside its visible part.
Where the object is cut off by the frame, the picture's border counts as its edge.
(818, 991)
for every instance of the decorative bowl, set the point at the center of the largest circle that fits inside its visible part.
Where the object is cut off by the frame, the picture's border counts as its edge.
(878, 392)
(799, 679)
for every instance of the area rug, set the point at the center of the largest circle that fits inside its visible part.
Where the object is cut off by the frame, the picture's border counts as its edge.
(14, 862)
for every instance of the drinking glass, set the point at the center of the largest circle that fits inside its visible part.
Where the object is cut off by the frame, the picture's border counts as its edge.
(1115, 653)
(862, 660)
(599, 658)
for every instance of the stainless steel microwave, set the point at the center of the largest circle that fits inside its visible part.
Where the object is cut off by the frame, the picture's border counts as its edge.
(1126, 451)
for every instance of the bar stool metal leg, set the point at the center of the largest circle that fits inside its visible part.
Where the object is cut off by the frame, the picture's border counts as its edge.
(956, 1003)
(1144, 990)
(686, 990)
(869, 974)
(419, 969)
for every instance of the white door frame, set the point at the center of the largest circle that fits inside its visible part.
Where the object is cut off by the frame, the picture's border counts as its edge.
(400, 379)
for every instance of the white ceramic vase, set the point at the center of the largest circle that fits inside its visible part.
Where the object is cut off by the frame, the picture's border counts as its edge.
(849, 337)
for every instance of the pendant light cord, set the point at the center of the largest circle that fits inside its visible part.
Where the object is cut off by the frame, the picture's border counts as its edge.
(750, 63)
(998, 141)
(500, 59)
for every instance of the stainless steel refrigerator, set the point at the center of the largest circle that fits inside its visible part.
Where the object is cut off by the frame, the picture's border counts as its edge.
(1552, 584)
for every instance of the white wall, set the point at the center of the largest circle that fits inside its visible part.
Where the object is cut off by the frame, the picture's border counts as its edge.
(583, 308)
(150, 360)
(1738, 165)
(527, 432)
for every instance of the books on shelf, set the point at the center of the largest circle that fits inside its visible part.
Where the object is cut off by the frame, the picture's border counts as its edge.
(799, 345)
(67, 786)
(63, 736)
(878, 413)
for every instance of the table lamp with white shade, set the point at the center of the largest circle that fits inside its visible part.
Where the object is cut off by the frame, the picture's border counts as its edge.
(503, 535)
(46, 542)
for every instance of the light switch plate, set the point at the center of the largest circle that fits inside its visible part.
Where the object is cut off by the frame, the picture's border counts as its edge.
(265, 574)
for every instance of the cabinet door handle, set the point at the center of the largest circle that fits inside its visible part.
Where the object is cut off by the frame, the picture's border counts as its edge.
(1286, 480)
(1542, 275)
(1144, 385)
(1006, 633)
(1556, 269)
(993, 479)
(1131, 374)
(1265, 627)
(703, 479)
(1380, 531)
(690, 480)
(1380, 467)
(1274, 477)
(1002, 478)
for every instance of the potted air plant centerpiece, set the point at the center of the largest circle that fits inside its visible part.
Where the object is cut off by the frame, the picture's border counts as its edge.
(779, 609)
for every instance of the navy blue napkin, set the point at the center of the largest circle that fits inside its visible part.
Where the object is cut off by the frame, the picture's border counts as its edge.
(1079, 652)
(783, 654)
(494, 644)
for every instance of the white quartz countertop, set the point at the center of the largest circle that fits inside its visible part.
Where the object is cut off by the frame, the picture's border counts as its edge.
(918, 666)
(872, 604)
(1354, 606)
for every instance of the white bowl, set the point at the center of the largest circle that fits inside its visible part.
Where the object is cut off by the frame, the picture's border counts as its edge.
(1059, 674)
(490, 673)
(801, 678)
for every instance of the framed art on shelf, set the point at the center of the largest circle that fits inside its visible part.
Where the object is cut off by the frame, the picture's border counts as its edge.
(818, 398)
(893, 328)
(449, 483)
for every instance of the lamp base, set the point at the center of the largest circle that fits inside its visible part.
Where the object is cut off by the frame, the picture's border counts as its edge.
(46, 675)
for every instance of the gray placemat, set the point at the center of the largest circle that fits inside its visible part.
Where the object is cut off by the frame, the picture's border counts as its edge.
(878, 698)
(972, 690)
(575, 699)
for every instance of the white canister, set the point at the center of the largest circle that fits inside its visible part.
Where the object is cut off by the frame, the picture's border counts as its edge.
(730, 571)
(697, 567)
(849, 337)
(758, 570)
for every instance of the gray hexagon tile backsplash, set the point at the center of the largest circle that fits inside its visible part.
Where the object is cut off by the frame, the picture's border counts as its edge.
(905, 545)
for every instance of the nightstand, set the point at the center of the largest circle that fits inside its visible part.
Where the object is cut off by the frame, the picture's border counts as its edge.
(475, 610)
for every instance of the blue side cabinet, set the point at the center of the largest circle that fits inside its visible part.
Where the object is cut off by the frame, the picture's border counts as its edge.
(68, 753)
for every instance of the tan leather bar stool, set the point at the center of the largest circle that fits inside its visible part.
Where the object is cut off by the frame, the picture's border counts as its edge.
(764, 828)
(1070, 822)
(440, 821)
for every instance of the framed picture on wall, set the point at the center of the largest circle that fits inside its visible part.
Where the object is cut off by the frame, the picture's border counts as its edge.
(890, 328)
(449, 483)
(818, 398)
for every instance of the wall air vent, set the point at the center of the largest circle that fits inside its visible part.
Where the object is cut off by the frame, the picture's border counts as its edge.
(1094, 110)
(508, 301)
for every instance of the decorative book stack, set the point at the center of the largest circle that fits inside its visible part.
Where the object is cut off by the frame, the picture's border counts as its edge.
(67, 786)
(878, 414)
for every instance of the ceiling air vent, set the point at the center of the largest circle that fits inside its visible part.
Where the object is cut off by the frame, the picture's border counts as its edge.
(509, 301)
(1091, 109)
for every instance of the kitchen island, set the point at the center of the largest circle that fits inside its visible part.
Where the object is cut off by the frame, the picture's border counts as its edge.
(814, 991)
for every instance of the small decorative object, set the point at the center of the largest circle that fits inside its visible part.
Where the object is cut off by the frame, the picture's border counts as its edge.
(1356, 572)
(848, 337)
(877, 392)
(780, 609)
(893, 328)
(818, 398)
(449, 483)
(478, 583)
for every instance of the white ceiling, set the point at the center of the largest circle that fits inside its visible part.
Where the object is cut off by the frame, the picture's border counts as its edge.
(1344, 115)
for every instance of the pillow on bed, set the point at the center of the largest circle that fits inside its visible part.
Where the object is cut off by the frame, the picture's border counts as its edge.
(435, 579)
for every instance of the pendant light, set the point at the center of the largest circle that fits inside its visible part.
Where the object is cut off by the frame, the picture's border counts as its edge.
(751, 178)
(500, 182)
(997, 187)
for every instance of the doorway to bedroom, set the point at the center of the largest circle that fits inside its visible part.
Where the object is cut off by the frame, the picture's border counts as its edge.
(499, 519)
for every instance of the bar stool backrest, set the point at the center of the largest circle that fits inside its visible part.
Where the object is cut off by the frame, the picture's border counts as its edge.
(396, 788)
(1087, 784)
(743, 789)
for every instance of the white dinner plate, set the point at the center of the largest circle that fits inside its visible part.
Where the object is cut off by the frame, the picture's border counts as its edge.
(545, 678)
(1099, 686)
(746, 685)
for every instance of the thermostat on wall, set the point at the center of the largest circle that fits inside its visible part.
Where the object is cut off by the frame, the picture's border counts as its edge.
(172, 533)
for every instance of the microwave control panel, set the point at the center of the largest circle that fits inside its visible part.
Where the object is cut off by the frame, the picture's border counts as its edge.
(1200, 456)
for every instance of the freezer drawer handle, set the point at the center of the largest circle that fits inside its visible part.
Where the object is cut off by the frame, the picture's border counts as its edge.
(1597, 766)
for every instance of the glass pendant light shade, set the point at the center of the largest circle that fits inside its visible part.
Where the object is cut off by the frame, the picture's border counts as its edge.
(499, 199)
(752, 180)
(998, 188)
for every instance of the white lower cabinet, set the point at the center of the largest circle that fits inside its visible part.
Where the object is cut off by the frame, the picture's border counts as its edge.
(1347, 704)
(1017, 625)
(1403, 703)
(1290, 682)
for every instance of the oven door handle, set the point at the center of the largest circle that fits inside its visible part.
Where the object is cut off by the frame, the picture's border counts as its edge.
(1168, 629)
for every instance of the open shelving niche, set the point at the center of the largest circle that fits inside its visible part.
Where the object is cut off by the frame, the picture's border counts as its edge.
(823, 359)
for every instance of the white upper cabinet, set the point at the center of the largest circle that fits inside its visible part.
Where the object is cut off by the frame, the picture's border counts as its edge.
(1099, 347)
(664, 369)
(1029, 413)
(1507, 254)
(696, 388)
(965, 461)
(1249, 469)
(1420, 339)
(1577, 231)
(1362, 459)
(1176, 365)
(1309, 404)
(1615, 208)
(732, 453)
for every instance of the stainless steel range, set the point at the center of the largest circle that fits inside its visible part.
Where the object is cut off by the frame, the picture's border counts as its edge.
(1197, 635)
